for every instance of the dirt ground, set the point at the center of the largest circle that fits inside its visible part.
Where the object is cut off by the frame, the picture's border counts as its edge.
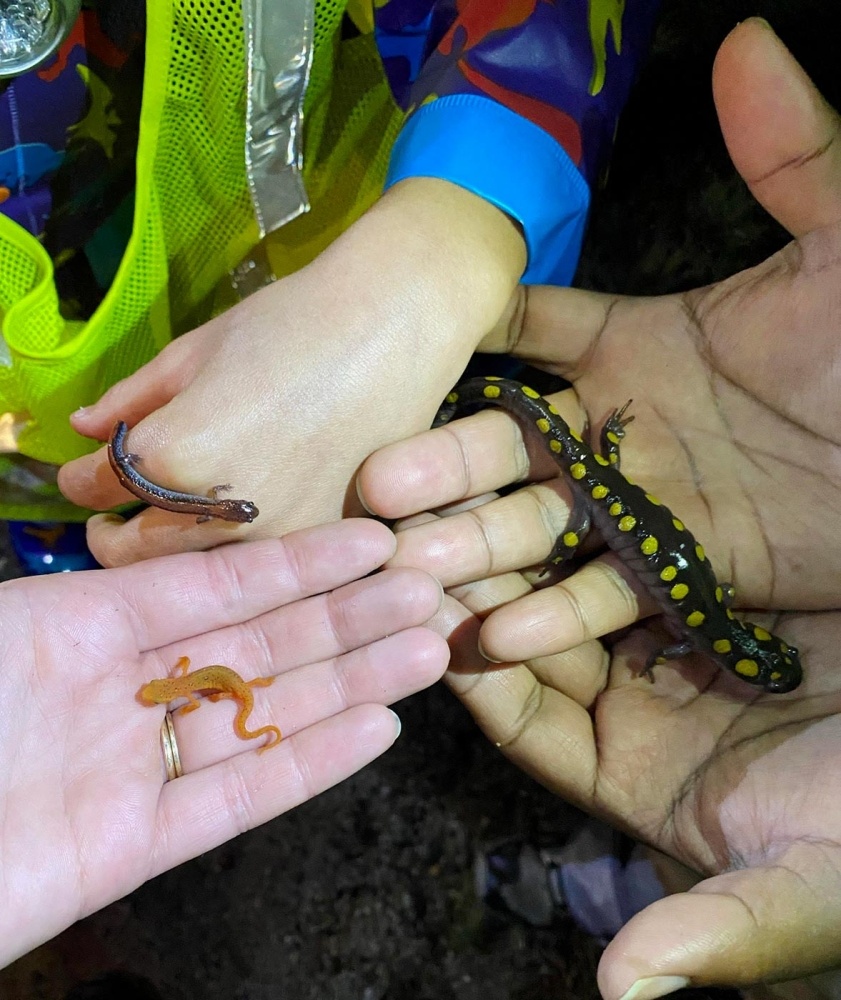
(367, 893)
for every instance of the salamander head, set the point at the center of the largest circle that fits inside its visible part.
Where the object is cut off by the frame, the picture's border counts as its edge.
(240, 511)
(157, 692)
(764, 660)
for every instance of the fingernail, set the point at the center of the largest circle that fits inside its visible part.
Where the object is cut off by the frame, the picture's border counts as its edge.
(398, 725)
(763, 22)
(483, 654)
(361, 498)
(655, 986)
(109, 518)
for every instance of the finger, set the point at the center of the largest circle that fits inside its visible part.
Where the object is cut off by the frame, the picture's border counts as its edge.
(557, 329)
(115, 541)
(146, 390)
(580, 673)
(535, 726)
(380, 673)
(783, 137)
(169, 599)
(598, 599)
(311, 630)
(504, 534)
(732, 930)
(466, 458)
(202, 810)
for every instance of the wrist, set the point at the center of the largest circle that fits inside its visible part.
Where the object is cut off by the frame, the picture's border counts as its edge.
(435, 243)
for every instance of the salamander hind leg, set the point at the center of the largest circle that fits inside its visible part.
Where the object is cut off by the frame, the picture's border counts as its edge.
(613, 432)
(576, 531)
(674, 652)
(192, 704)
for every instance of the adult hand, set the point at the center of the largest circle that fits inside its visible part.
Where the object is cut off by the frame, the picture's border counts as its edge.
(735, 397)
(737, 429)
(86, 813)
(284, 395)
(742, 787)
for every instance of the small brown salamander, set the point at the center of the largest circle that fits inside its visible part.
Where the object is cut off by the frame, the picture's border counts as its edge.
(207, 507)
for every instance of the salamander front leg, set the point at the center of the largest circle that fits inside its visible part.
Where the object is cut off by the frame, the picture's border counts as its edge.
(674, 652)
(613, 432)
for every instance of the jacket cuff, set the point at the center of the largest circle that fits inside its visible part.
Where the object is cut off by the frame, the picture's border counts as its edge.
(509, 161)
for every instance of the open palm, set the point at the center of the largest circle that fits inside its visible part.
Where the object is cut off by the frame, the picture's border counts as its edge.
(736, 403)
(85, 812)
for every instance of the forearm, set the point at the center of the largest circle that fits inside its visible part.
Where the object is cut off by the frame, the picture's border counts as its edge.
(439, 262)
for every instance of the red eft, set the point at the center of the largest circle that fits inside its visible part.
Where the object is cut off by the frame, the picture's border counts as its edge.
(223, 682)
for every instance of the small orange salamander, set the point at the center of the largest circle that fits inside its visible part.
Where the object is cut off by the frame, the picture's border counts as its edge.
(223, 682)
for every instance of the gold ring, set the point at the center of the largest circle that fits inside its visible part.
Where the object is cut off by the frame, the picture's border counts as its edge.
(169, 745)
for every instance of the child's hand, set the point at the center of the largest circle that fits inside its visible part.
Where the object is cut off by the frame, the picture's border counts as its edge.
(285, 395)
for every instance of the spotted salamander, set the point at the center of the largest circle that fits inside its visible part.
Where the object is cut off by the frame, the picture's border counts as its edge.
(648, 538)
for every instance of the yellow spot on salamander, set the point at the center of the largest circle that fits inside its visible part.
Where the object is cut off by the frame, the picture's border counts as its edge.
(729, 614)
(553, 409)
(528, 391)
(626, 523)
(612, 437)
(722, 645)
(678, 524)
(679, 591)
(493, 378)
(652, 499)
(719, 594)
(600, 492)
(543, 425)
(661, 659)
(668, 573)
(747, 668)
(649, 546)
(601, 459)
(578, 470)
(776, 675)
(761, 634)
(699, 552)
(491, 392)
(615, 509)
(614, 458)
(452, 397)
(695, 619)
(571, 539)
(556, 446)
(575, 434)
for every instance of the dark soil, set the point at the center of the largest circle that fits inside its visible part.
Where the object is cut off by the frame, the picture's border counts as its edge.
(367, 893)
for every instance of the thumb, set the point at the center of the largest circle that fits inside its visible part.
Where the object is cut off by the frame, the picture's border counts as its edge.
(735, 929)
(782, 135)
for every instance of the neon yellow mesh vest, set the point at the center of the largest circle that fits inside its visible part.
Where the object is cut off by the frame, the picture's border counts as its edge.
(193, 219)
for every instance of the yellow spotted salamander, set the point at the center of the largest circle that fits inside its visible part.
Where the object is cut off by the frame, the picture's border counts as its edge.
(648, 538)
